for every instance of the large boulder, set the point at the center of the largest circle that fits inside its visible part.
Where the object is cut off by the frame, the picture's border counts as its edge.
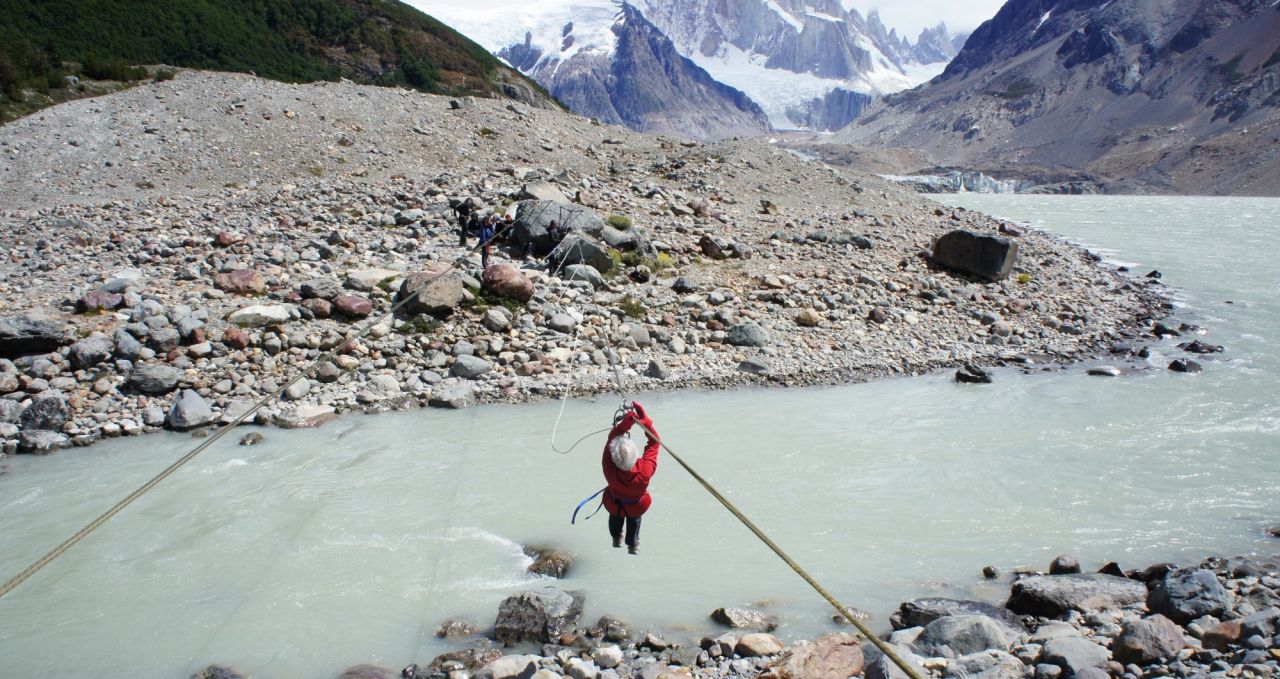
(1188, 593)
(956, 635)
(91, 351)
(154, 379)
(533, 219)
(320, 288)
(433, 292)
(456, 397)
(837, 656)
(353, 306)
(262, 315)
(577, 248)
(99, 300)
(369, 672)
(508, 281)
(758, 644)
(582, 272)
(510, 667)
(988, 257)
(1147, 640)
(630, 240)
(41, 442)
(305, 416)
(469, 367)
(921, 612)
(190, 411)
(31, 333)
(541, 616)
(49, 411)
(1052, 595)
(241, 282)
(880, 666)
(542, 191)
(1074, 654)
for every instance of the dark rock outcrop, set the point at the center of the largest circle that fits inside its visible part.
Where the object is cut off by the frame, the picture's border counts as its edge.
(540, 616)
(990, 258)
(1053, 595)
(31, 333)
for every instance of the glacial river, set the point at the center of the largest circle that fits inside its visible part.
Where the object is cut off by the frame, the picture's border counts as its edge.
(321, 549)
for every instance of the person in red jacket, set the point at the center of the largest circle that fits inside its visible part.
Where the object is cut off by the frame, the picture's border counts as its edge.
(628, 474)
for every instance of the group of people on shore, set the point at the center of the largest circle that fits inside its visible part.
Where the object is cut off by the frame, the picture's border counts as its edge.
(492, 228)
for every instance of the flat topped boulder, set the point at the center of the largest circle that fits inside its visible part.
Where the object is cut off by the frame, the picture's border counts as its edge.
(577, 248)
(31, 333)
(154, 379)
(1052, 595)
(433, 292)
(991, 258)
(837, 656)
(241, 282)
(921, 612)
(262, 315)
(508, 281)
(533, 222)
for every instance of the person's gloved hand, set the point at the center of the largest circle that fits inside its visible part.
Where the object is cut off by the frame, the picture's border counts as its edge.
(639, 411)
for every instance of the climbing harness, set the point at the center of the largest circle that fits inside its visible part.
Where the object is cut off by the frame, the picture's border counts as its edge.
(363, 330)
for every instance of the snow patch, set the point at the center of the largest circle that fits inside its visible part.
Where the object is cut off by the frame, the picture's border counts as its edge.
(496, 26)
(1045, 18)
(786, 16)
(832, 19)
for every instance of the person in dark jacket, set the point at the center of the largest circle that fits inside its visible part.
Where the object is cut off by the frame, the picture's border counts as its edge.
(487, 233)
(463, 212)
(628, 474)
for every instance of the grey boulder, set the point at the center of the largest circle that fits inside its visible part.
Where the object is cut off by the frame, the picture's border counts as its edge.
(985, 665)
(540, 616)
(921, 612)
(190, 411)
(456, 397)
(41, 442)
(91, 351)
(533, 220)
(433, 293)
(1074, 654)
(49, 411)
(1052, 595)
(957, 635)
(154, 379)
(748, 335)
(1187, 593)
(988, 257)
(577, 248)
(31, 333)
(1147, 640)
(583, 272)
(469, 367)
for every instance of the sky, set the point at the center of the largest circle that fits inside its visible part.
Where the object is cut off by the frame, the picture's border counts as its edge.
(908, 16)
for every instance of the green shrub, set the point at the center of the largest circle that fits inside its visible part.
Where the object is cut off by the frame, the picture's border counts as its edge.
(620, 222)
(421, 324)
(632, 308)
(165, 74)
(484, 299)
(113, 69)
(486, 132)
(1024, 278)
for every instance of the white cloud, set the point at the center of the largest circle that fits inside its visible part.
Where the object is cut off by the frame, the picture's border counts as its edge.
(912, 16)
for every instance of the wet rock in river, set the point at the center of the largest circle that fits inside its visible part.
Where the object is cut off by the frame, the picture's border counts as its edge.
(40, 442)
(453, 629)
(1053, 595)
(742, 618)
(190, 411)
(972, 374)
(1182, 365)
(304, 416)
(539, 615)
(922, 612)
(253, 438)
(1064, 564)
(218, 672)
(1198, 347)
(549, 561)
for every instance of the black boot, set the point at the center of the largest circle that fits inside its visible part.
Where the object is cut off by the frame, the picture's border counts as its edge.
(634, 547)
(617, 541)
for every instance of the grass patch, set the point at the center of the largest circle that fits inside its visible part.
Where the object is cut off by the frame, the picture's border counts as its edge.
(487, 132)
(420, 325)
(145, 185)
(1230, 70)
(620, 222)
(1017, 88)
(1024, 278)
(632, 308)
(633, 259)
(385, 284)
(164, 75)
(484, 299)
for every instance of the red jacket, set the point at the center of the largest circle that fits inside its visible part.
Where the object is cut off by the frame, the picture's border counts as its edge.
(628, 491)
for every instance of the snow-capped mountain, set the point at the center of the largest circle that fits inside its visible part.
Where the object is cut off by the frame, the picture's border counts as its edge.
(706, 68)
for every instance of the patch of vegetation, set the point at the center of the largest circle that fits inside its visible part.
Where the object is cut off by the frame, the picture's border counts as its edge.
(164, 74)
(1230, 70)
(631, 259)
(1273, 60)
(484, 299)
(487, 132)
(146, 185)
(420, 325)
(1024, 278)
(367, 41)
(632, 308)
(620, 222)
(1018, 88)
(314, 170)
(385, 284)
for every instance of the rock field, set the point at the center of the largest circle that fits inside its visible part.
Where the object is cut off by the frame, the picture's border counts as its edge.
(181, 249)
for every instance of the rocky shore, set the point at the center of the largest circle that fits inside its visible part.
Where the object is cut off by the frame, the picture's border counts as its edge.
(179, 250)
(1218, 619)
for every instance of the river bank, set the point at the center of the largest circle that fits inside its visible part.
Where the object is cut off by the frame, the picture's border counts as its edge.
(201, 240)
(1219, 618)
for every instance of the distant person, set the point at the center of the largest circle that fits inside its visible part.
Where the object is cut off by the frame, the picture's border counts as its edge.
(556, 233)
(463, 212)
(628, 474)
(487, 232)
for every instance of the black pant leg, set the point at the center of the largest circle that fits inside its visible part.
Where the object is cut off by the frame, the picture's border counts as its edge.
(633, 531)
(615, 526)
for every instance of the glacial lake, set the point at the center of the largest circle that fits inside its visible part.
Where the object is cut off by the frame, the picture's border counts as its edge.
(321, 549)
